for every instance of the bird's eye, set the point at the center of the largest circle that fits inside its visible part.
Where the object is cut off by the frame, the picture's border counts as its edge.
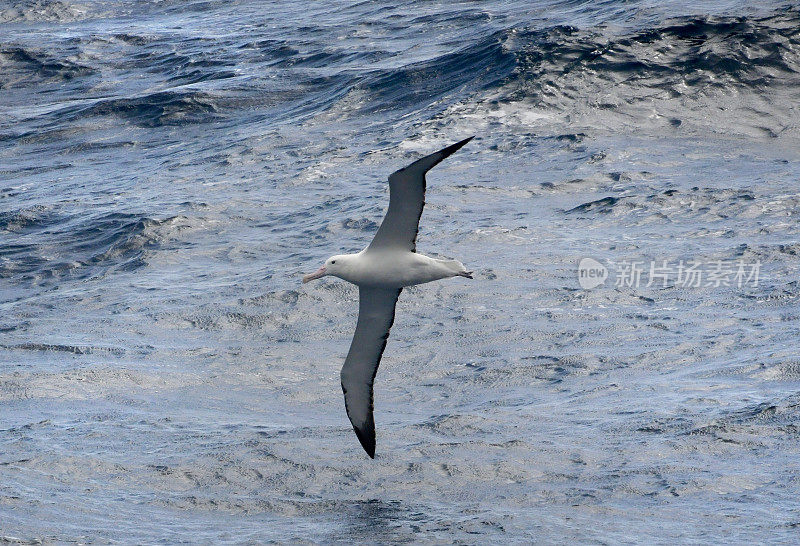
(333, 261)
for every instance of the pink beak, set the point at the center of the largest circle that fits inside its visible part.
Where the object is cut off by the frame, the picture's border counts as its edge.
(321, 272)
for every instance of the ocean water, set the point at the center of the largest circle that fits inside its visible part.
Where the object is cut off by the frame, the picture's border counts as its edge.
(170, 169)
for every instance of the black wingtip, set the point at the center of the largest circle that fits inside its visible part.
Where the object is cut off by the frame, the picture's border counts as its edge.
(430, 161)
(453, 147)
(366, 435)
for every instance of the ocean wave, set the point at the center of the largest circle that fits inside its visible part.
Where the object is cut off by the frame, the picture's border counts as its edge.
(705, 204)
(730, 75)
(16, 11)
(723, 75)
(695, 53)
(478, 67)
(39, 245)
(24, 67)
(157, 109)
(73, 349)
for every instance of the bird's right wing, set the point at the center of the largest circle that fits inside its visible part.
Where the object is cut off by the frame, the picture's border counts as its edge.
(375, 318)
(399, 228)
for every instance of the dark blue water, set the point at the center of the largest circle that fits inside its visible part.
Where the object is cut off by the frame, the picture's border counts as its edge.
(168, 170)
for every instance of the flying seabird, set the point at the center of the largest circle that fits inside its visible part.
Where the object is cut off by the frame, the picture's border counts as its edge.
(381, 271)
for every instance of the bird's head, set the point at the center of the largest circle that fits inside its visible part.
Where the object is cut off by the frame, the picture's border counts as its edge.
(334, 265)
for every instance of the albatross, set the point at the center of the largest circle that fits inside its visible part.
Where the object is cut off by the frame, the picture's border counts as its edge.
(381, 271)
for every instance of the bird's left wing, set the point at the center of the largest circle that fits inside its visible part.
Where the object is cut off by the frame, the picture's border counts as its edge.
(399, 228)
(375, 318)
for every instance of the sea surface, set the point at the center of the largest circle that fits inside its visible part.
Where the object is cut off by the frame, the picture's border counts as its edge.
(170, 169)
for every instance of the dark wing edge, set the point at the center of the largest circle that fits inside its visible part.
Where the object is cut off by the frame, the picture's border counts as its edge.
(407, 187)
(375, 319)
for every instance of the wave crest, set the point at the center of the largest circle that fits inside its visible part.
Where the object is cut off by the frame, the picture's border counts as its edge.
(39, 245)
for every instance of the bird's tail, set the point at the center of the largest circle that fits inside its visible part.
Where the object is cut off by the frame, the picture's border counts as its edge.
(457, 268)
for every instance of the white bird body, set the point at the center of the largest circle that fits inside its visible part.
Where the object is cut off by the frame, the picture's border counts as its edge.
(381, 271)
(392, 269)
